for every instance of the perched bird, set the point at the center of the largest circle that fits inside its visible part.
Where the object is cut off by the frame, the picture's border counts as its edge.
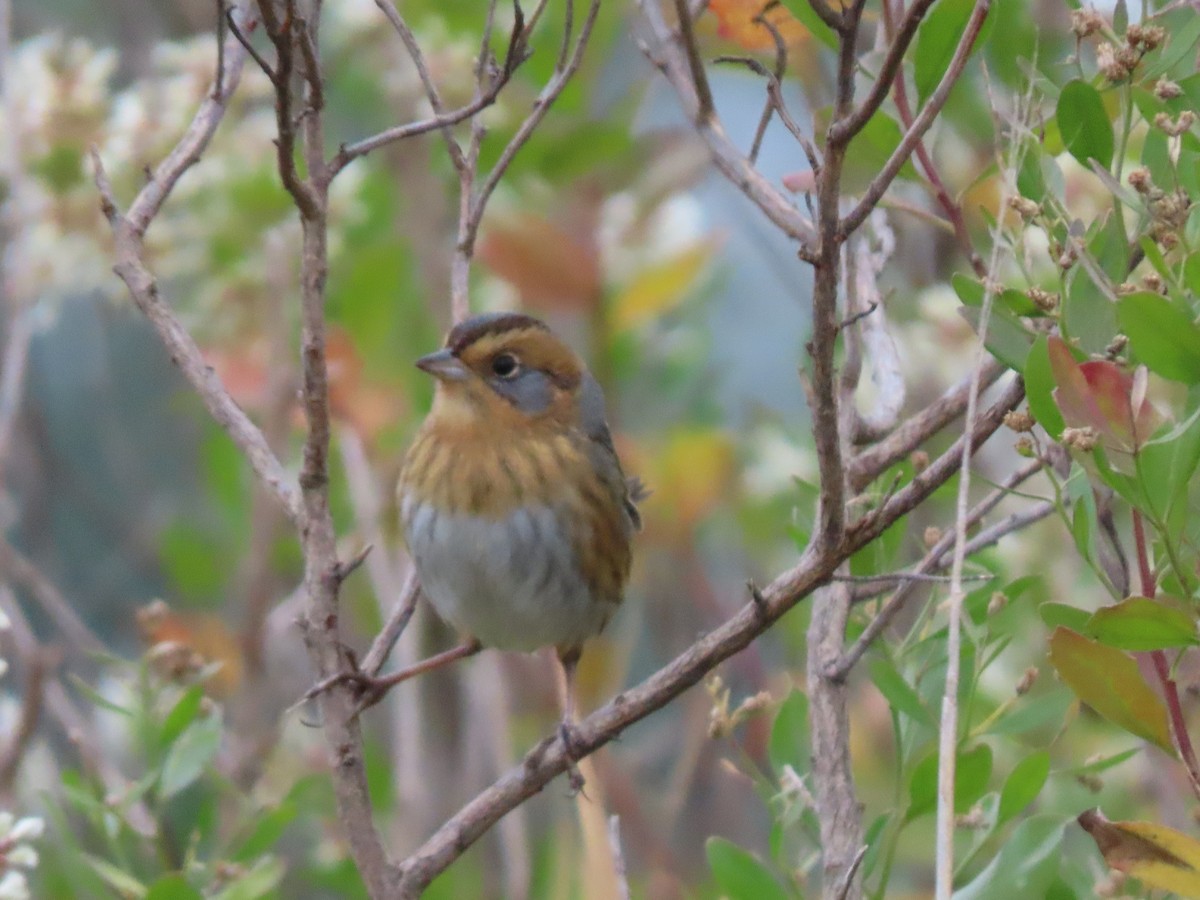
(516, 511)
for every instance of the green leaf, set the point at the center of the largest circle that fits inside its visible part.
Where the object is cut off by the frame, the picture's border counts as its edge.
(189, 755)
(788, 745)
(803, 10)
(1025, 865)
(1108, 680)
(1179, 43)
(1023, 785)
(969, 290)
(972, 770)
(1032, 712)
(740, 874)
(898, 693)
(97, 698)
(1163, 336)
(173, 887)
(182, 714)
(267, 828)
(258, 882)
(1085, 126)
(937, 39)
(1031, 183)
(1039, 388)
(1103, 763)
(118, 879)
(1140, 624)
(1007, 338)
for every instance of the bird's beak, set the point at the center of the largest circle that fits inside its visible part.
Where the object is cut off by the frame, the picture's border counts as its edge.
(443, 365)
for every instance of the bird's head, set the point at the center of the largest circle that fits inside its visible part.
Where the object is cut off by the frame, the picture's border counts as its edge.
(505, 369)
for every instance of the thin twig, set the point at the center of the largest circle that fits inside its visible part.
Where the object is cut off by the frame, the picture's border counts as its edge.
(704, 98)
(37, 662)
(350, 152)
(14, 365)
(1162, 667)
(948, 724)
(554, 87)
(893, 577)
(20, 570)
(618, 857)
(397, 621)
(933, 560)
(186, 354)
(929, 112)
(670, 58)
(953, 210)
(915, 430)
(186, 153)
(388, 8)
(846, 128)
(244, 39)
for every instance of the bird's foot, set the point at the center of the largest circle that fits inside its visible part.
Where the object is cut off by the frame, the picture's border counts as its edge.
(574, 752)
(367, 689)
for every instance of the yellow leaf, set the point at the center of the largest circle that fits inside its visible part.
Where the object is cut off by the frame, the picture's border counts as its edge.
(691, 476)
(657, 288)
(1156, 855)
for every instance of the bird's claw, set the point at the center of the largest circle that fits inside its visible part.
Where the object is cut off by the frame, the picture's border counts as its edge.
(367, 690)
(574, 752)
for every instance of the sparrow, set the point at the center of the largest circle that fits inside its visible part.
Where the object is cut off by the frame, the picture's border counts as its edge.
(517, 514)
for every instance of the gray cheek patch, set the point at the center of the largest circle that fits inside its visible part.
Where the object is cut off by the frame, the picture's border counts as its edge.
(530, 392)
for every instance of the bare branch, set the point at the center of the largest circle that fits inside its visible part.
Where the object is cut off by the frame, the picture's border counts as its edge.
(933, 106)
(775, 104)
(670, 58)
(388, 8)
(826, 14)
(12, 370)
(397, 621)
(843, 130)
(350, 152)
(934, 560)
(948, 723)
(915, 430)
(19, 570)
(186, 354)
(37, 663)
(704, 98)
(283, 34)
(950, 206)
(187, 152)
(244, 40)
(554, 87)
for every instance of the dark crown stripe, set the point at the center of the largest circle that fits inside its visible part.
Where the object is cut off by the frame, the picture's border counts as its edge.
(467, 332)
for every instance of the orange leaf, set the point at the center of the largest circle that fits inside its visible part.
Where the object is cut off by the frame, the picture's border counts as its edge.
(201, 634)
(736, 22)
(550, 267)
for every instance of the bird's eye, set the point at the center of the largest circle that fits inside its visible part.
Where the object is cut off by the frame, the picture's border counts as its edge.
(505, 365)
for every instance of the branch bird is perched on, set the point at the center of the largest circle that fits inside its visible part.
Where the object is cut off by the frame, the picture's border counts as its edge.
(516, 511)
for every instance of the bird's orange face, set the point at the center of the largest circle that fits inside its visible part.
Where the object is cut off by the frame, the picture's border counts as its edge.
(504, 372)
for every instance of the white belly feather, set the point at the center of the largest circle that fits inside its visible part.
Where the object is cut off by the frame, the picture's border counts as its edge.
(512, 583)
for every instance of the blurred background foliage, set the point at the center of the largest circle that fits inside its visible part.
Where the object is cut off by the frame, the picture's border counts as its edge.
(692, 312)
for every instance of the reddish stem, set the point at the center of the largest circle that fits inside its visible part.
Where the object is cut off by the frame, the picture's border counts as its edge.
(953, 211)
(1162, 667)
